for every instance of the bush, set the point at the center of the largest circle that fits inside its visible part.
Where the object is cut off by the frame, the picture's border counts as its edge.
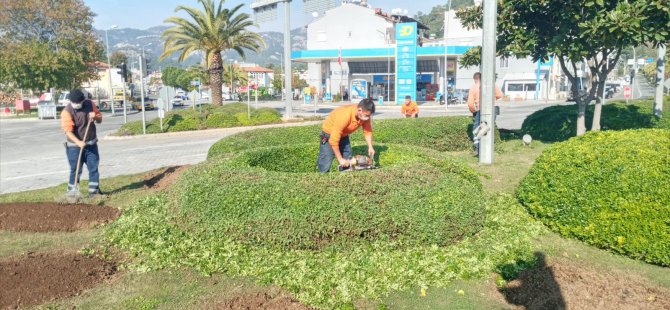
(609, 189)
(221, 120)
(229, 115)
(558, 123)
(415, 198)
(438, 133)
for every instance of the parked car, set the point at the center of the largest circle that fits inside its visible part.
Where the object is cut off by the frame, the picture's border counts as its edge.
(148, 104)
(178, 100)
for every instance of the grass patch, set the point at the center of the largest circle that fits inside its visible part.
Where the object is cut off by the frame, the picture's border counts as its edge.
(18, 243)
(212, 116)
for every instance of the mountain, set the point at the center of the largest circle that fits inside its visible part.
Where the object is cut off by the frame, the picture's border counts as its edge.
(130, 41)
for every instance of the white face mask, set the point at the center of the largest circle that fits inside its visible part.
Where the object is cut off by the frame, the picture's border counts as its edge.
(364, 118)
(76, 106)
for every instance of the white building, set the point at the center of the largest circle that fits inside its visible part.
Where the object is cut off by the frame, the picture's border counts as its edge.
(363, 38)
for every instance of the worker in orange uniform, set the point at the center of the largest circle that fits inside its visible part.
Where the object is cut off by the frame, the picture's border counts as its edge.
(74, 120)
(473, 105)
(336, 129)
(409, 108)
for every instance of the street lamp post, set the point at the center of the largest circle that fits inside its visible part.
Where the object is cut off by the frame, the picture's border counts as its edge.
(109, 68)
(144, 64)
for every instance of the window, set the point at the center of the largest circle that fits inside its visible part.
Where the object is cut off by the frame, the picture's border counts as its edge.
(504, 62)
(514, 87)
(530, 87)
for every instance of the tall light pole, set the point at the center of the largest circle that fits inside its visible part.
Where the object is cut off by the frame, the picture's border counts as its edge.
(445, 90)
(109, 68)
(488, 78)
(660, 79)
(389, 26)
(144, 64)
(287, 59)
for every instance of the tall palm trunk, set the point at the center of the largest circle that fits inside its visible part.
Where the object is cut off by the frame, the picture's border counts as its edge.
(215, 70)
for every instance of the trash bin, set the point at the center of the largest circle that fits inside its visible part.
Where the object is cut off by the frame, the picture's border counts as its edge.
(22, 105)
(380, 100)
(46, 110)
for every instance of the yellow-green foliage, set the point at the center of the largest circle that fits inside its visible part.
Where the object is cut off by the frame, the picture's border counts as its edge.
(610, 189)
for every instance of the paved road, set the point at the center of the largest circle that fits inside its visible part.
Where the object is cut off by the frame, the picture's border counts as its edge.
(32, 154)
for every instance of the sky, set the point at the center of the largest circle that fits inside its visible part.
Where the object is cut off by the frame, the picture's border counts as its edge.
(143, 14)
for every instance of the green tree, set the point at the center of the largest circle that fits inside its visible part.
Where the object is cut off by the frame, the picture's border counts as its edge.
(234, 76)
(278, 80)
(213, 30)
(587, 31)
(435, 19)
(45, 43)
(117, 57)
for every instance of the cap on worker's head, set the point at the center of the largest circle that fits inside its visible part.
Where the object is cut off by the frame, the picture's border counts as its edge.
(76, 96)
(408, 97)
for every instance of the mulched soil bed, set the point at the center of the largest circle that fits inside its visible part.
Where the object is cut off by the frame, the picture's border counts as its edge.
(568, 285)
(162, 179)
(50, 217)
(263, 301)
(35, 279)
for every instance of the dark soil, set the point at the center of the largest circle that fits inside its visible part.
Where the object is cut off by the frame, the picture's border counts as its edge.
(263, 301)
(567, 285)
(35, 279)
(49, 217)
(162, 179)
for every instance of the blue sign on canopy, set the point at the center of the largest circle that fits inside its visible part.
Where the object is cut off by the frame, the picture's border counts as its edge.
(406, 41)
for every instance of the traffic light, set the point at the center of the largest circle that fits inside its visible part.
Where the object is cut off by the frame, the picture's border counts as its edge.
(124, 71)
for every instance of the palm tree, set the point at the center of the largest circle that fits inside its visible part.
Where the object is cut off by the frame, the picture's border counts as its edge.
(232, 74)
(213, 30)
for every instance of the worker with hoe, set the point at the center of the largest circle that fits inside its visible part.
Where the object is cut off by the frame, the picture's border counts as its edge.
(409, 108)
(336, 129)
(78, 121)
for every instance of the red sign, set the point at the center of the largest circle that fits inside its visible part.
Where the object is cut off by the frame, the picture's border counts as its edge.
(626, 92)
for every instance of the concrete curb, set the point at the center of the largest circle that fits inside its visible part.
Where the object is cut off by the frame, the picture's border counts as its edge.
(110, 137)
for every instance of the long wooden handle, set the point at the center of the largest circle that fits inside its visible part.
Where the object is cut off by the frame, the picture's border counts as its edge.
(81, 151)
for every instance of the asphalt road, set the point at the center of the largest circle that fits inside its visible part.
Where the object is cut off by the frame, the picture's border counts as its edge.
(32, 154)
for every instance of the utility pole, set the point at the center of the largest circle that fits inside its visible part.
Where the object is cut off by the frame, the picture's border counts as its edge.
(287, 59)
(487, 91)
(144, 118)
(660, 79)
(109, 70)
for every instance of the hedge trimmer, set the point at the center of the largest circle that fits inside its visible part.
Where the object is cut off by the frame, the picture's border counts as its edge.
(359, 162)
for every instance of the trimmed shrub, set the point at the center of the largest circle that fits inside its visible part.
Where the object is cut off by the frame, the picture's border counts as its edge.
(416, 197)
(437, 133)
(229, 115)
(609, 189)
(221, 120)
(558, 123)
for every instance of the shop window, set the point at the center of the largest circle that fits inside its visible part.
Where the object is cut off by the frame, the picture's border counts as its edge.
(514, 87)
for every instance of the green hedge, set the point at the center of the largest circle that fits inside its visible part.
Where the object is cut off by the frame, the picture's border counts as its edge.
(558, 123)
(229, 115)
(437, 133)
(417, 197)
(610, 189)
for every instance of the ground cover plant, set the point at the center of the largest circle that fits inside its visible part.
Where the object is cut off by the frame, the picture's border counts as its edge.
(557, 123)
(610, 189)
(436, 133)
(207, 117)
